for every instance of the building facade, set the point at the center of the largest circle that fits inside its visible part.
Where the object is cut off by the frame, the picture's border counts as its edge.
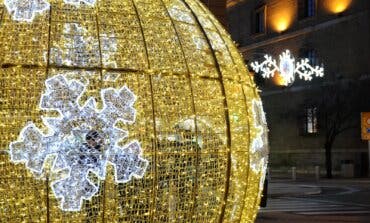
(304, 116)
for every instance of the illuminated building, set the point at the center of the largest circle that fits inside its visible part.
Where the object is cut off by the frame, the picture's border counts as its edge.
(331, 33)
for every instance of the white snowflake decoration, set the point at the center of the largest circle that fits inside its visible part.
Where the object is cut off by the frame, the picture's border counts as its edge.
(82, 140)
(259, 146)
(287, 68)
(79, 2)
(26, 10)
(82, 49)
(180, 15)
(260, 122)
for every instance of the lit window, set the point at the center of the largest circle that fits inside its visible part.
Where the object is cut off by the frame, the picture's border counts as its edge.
(310, 120)
(306, 8)
(259, 20)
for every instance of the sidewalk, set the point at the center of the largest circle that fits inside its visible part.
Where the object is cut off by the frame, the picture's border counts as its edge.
(291, 189)
(307, 186)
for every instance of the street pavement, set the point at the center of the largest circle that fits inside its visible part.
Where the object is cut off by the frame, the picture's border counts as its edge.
(336, 200)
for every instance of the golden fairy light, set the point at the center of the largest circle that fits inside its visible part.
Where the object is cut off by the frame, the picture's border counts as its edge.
(125, 110)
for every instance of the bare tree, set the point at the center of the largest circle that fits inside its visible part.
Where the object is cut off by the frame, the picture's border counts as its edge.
(338, 110)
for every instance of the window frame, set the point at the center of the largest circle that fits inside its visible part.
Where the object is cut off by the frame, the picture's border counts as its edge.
(310, 54)
(302, 16)
(309, 123)
(259, 9)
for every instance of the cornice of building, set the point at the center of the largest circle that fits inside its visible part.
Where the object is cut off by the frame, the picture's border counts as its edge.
(300, 32)
(232, 3)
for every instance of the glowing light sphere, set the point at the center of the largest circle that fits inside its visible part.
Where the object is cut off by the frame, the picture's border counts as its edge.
(126, 111)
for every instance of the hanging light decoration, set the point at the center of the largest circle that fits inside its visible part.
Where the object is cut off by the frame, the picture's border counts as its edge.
(287, 67)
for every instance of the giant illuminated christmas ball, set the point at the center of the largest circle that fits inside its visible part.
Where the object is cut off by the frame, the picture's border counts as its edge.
(125, 111)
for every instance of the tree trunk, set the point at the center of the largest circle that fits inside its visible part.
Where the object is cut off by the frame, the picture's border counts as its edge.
(328, 161)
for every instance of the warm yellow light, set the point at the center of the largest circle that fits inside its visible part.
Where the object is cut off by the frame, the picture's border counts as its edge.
(282, 25)
(337, 6)
(281, 16)
(279, 80)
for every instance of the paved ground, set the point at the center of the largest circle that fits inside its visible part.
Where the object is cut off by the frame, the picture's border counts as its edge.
(318, 202)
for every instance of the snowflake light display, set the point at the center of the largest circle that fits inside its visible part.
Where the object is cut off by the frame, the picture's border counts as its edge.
(287, 67)
(259, 116)
(78, 2)
(26, 10)
(80, 48)
(82, 141)
(259, 143)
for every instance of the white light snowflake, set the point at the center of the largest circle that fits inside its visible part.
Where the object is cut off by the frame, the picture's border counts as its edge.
(82, 140)
(259, 147)
(80, 48)
(180, 15)
(259, 125)
(26, 10)
(79, 2)
(287, 67)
